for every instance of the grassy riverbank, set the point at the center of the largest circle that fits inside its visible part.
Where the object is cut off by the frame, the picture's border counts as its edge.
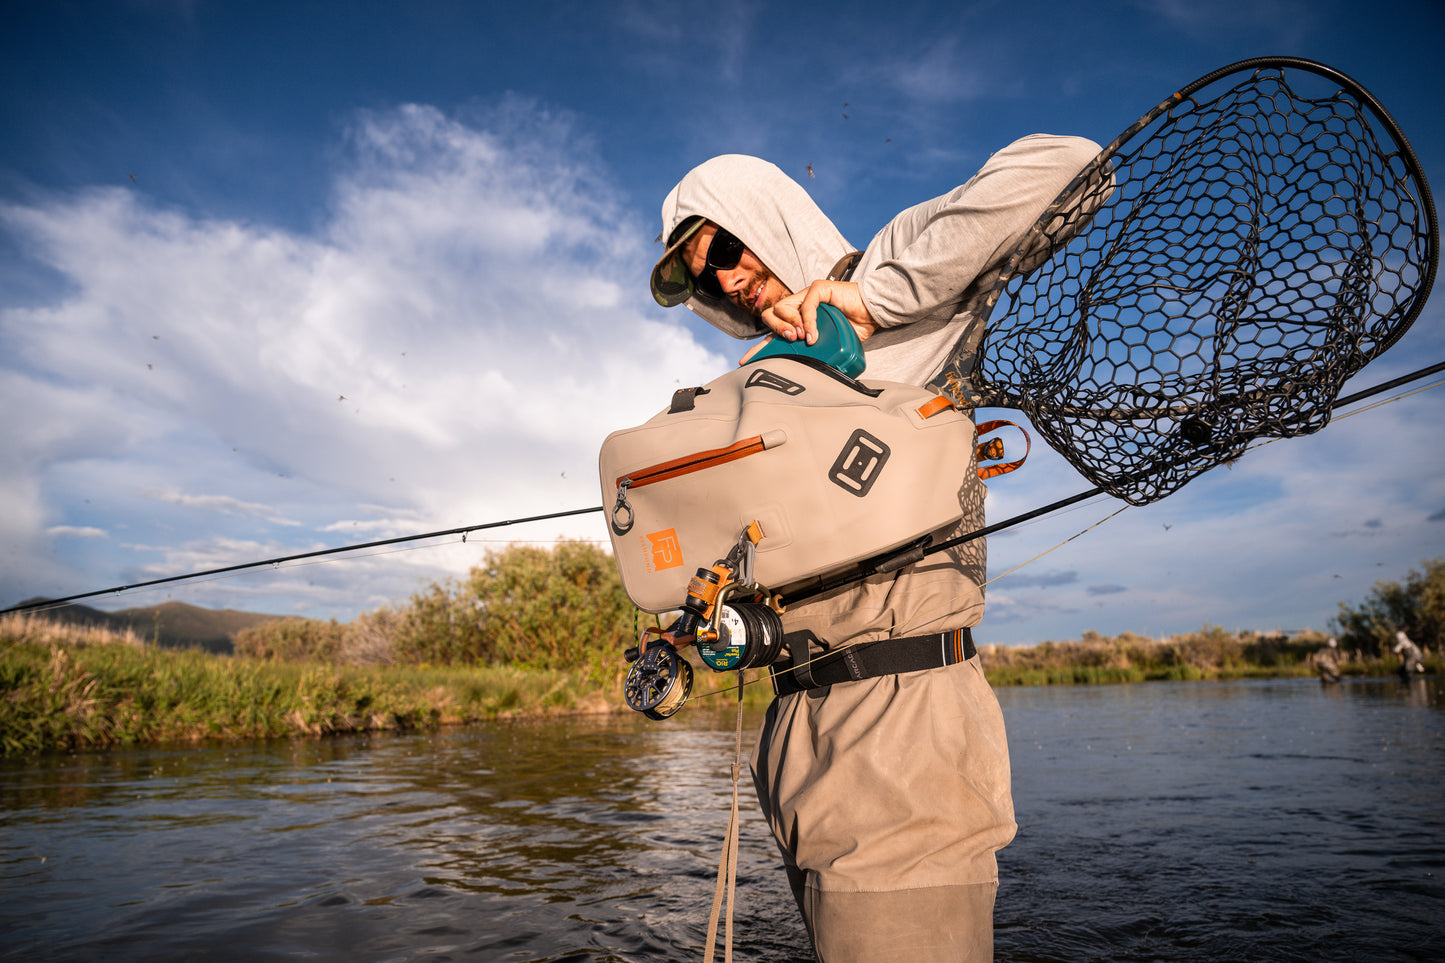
(66, 687)
(1210, 653)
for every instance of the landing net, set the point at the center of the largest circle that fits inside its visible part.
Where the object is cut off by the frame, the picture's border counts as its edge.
(1218, 273)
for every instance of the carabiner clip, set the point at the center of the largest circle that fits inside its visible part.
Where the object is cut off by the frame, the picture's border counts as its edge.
(622, 527)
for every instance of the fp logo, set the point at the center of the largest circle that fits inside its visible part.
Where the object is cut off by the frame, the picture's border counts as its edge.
(666, 553)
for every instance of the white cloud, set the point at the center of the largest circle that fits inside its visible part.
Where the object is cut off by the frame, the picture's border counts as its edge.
(224, 504)
(76, 531)
(449, 348)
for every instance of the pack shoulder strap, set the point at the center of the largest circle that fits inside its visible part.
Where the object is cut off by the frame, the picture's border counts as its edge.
(843, 270)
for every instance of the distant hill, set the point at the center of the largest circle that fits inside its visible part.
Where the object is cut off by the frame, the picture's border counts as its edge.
(171, 624)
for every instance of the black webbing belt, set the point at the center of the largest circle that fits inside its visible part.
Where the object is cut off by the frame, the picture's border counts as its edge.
(868, 659)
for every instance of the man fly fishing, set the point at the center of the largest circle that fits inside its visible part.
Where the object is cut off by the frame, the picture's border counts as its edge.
(887, 790)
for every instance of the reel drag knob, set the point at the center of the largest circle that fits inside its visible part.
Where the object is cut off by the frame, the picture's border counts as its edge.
(659, 682)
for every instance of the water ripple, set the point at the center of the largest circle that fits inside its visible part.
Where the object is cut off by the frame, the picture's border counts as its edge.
(1270, 821)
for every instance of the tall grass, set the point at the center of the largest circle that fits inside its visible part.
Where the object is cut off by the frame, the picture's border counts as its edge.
(1209, 653)
(70, 688)
(76, 687)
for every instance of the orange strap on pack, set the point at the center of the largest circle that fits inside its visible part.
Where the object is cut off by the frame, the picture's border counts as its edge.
(992, 450)
(933, 407)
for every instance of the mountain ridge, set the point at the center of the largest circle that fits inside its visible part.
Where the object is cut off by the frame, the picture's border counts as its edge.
(169, 625)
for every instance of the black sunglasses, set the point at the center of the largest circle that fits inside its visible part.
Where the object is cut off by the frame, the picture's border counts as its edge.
(723, 254)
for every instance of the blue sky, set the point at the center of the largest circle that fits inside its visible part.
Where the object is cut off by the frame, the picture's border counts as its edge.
(276, 277)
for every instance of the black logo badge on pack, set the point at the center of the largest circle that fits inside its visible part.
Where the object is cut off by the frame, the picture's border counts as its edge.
(859, 464)
(763, 378)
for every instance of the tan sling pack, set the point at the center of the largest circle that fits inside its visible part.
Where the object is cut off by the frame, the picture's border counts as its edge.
(835, 470)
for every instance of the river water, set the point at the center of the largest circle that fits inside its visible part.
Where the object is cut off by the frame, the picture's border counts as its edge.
(1259, 821)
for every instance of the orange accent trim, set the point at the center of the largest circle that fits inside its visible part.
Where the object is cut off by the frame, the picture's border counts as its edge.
(694, 462)
(993, 471)
(931, 408)
(986, 449)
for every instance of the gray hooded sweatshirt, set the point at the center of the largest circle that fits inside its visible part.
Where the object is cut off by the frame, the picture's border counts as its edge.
(888, 796)
(924, 277)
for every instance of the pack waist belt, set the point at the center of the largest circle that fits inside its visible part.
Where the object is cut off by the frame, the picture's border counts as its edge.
(868, 660)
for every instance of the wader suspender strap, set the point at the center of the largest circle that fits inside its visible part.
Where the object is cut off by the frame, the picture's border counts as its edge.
(843, 270)
(800, 673)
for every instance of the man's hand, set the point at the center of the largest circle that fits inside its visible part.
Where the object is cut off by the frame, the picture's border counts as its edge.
(796, 316)
(754, 350)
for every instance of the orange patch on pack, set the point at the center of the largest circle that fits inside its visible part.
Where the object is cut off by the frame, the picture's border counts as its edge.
(666, 552)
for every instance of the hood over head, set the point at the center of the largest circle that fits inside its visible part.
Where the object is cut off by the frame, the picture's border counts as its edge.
(769, 212)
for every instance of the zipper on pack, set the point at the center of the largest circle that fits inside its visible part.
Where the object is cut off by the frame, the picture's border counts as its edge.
(686, 465)
(701, 460)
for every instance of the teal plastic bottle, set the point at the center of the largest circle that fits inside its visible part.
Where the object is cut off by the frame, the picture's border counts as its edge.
(837, 344)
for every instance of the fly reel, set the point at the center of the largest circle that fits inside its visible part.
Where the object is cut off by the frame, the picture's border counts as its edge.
(736, 635)
(659, 681)
(750, 634)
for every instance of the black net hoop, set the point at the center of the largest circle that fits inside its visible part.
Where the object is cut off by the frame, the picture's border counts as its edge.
(1218, 272)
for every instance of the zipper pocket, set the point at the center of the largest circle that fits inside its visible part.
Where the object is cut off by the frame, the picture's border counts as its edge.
(686, 465)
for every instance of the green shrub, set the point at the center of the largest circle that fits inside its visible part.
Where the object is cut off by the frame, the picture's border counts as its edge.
(442, 626)
(291, 640)
(1416, 607)
(562, 609)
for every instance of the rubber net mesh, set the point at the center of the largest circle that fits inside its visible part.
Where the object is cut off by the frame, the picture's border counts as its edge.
(1217, 274)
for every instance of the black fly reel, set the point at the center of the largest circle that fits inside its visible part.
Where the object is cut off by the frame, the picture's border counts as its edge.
(729, 635)
(659, 681)
(750, 634)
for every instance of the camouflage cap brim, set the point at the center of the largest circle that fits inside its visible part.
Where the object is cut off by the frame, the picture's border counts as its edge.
(671, 281)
